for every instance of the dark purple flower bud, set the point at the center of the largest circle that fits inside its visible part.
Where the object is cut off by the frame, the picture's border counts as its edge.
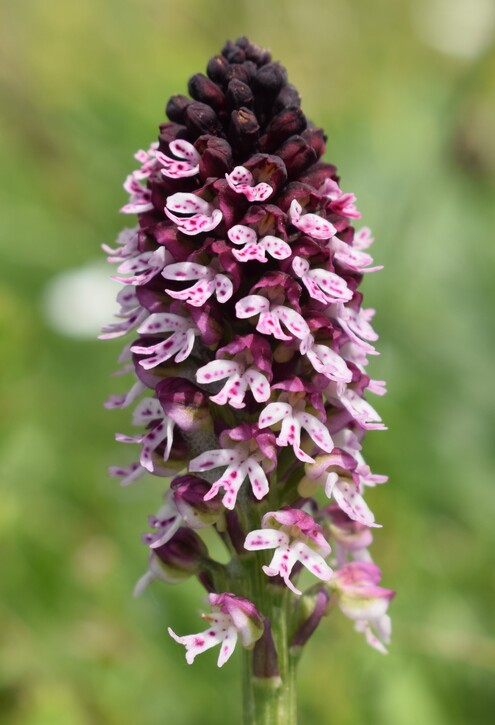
(231, 205)
(238, 94)
(299, 191)
(205, 90)
(206, 580)
(310, 611)
(242, 73)
(170, 132)
(287, 98)
(184, 403)
(208, 323)
(181, 557)
(162, 188)
(268, 219)
(316, 138)
(233, 52)
(167, 235)
(176, 108)
(217, 69)
(288, 122)
(269, 80)
(258, 55)
(297, 155)
(216, 156)
(201, 119)
(251, 69)
(188, 494)
(317, 174)
(243, 130)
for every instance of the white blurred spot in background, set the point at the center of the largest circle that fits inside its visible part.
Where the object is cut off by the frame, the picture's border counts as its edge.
(457, 27)
(78, 302)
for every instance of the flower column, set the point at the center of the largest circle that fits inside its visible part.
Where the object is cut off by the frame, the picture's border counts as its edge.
(249, 353)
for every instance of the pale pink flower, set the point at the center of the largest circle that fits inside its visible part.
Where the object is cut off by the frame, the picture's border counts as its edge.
(251, 454)
(242, 181)
(254, 248)
(312, 224)
(185, 163)
(235, 618)
(209, 283)
(179, 345)
(362, 600)
(199, 215)
(296, 537)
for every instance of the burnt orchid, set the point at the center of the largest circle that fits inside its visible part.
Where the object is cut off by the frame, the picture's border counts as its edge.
(249, 346)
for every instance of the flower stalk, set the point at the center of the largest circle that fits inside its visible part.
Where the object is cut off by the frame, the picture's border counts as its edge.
(248, 351)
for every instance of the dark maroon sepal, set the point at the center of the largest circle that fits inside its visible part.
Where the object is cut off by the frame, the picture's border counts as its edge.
(238, 94)
(287, 98)
(182, 551)
(243, 131)
(203, 89)
(201, 119)
(217, 69)
(170, 132)
(288, 122)
(317, 139)
(310, 624)
(216, 156)
(297, 155)
(176, 108)
(184, 402)
(265, 659)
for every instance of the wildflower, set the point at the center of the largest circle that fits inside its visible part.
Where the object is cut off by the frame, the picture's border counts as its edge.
(312, 224)
(209, 283)
(296, 537)
(150, 412)
(340, 203)
(199, 216)
(350, 538)
(242, 182)
(271, 317)
(252, 457)
(233, 618)
(291, 411)
(179, 345)
(323, 286)
(341, 484)
(254, 248)
(185, 163)
(362, 600)
(139, 197)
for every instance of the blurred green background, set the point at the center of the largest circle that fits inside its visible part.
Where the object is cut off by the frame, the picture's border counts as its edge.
(405, 92)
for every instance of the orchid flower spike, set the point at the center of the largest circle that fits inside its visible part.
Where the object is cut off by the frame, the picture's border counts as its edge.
(247, 344)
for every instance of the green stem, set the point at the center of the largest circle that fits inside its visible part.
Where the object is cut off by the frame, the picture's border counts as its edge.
(272, 700)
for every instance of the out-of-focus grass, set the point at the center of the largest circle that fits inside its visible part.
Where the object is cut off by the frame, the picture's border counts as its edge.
(82, 86)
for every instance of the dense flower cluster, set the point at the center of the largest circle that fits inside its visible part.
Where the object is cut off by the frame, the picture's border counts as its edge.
(250, 345)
